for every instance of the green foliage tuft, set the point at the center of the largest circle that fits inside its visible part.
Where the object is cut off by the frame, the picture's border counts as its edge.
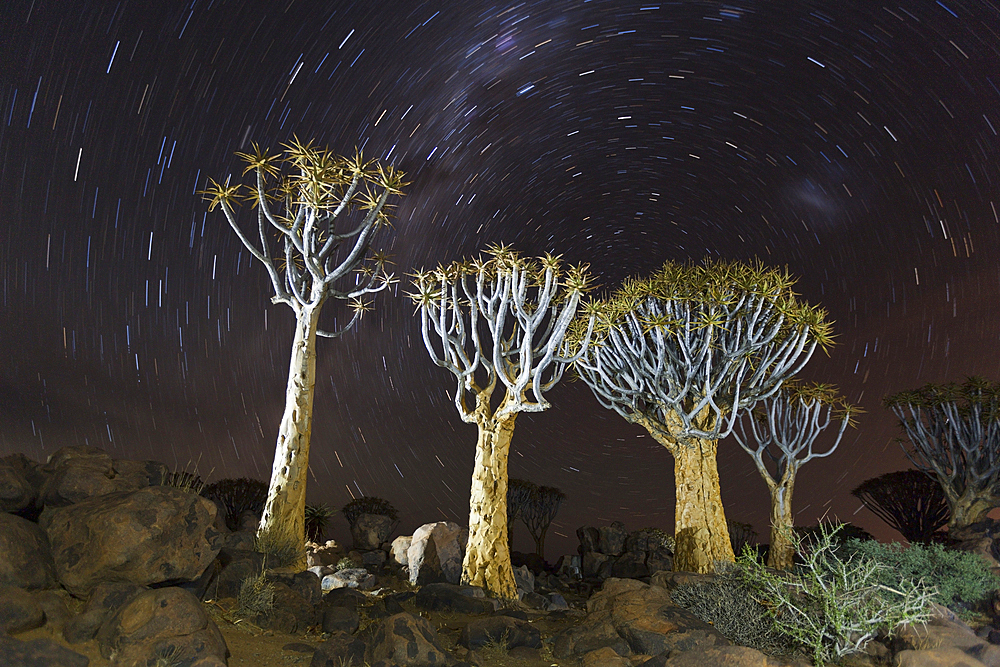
(833, 605)
(728, 603)
(368, 505)
(960, 577)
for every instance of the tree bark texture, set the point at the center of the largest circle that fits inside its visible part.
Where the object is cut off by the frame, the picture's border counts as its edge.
(967, 509)
(701, 535)
(781, 552)
(487, 558)
(283, 520)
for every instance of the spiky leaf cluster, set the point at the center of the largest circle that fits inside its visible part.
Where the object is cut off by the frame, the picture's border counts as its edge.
(183, 479)
(316, 518)
(502, 318)
(236, 497)
(685, 349)
(954, 433)
(316, 215)
(353, 510)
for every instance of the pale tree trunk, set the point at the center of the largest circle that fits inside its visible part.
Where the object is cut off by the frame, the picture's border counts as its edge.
(781, 552)
(487, 556)
(282, 524)
(967, 509)
(701, 536)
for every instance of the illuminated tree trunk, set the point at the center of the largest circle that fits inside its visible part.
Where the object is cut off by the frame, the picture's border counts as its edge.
(969, 508)
(701, 536)
(781, 553)
(487, 556)
(283, 520)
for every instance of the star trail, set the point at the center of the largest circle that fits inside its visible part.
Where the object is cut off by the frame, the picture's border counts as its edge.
(855, 143)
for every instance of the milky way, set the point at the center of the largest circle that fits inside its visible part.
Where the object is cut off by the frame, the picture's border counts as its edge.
(854, 143)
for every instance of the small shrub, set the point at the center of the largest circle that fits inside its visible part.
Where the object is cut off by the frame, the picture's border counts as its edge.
(832, 606)
(650, 539)
(256, 596)
(496, 649)
(279, 550)
(838, 531)
(236, 497)
(961, 578)
(182, 479)
(368, 505)
(316, 520)
(346, 563)
(728, 603)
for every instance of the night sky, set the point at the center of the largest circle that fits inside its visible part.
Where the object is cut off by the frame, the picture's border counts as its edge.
(855, 143)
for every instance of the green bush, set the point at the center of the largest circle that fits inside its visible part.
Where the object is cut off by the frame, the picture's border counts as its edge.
(833, 605)
(728, 603)
(960, 577)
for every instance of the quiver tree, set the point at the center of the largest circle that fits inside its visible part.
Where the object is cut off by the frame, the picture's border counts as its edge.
(539, 513)
(954, 434)
(681, 353)
(782, 433)
(499, 322)
(911, 501)
(518, 496)
(313, 235)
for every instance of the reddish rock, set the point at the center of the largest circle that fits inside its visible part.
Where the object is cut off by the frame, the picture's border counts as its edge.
(153, 535)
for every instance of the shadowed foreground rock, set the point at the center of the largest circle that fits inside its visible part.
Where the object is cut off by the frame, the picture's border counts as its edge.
(153, 535)
(25, 556)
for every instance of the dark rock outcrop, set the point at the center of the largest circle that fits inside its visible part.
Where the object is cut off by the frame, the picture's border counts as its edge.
(25, 555)
(149, 536)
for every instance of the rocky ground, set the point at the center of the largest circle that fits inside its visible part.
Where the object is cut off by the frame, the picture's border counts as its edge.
(100, 564)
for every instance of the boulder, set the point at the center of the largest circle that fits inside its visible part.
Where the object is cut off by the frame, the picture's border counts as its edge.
(405, 639)
(612, 538)
(344, 597)
(340, 619)
(717, 656)
(290, 612)
(631, 617)
(153, 535)
(500, 629)
(77, 473)
(19, 611)
(369, 531)
(38, 653)
(400, 546)
(944, 631)
(16, 492)
(104, 600)
(328, 554)
(525, 580)
(435, 553)
(937, 657)
(161, 624)
(589, 537)
(451, 597)
(351, 577)
(25, 556)
(339, 650)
